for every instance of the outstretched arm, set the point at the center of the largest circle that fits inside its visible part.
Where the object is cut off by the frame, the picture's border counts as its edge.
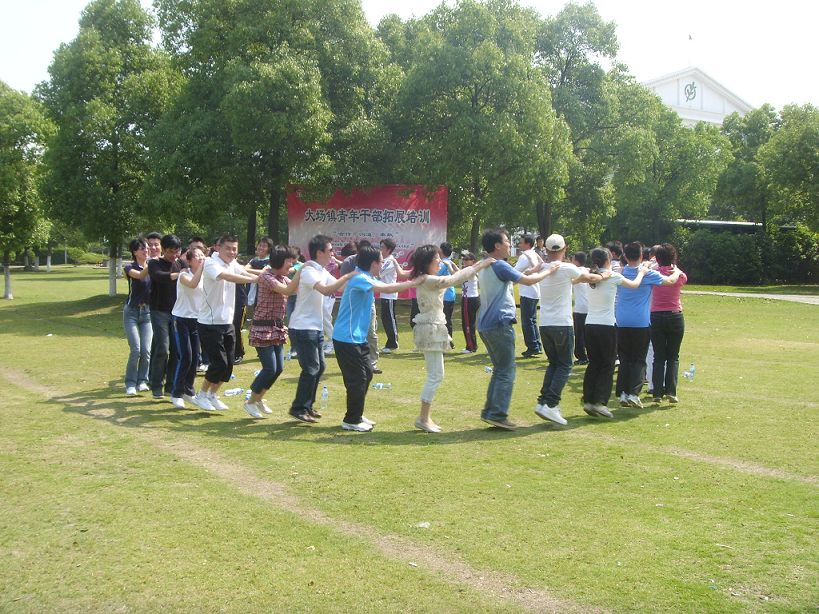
(531, 280)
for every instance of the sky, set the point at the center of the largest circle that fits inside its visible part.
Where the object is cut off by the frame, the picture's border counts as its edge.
(760, 51)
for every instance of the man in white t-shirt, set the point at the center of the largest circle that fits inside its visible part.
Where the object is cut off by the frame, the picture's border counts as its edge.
(529, 296)
(581, 309)
(557, 326)
(306, 324)
(220, 274)
(389, 275)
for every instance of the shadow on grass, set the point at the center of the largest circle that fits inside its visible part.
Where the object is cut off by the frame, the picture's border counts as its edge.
(93, 316)
(144, 412)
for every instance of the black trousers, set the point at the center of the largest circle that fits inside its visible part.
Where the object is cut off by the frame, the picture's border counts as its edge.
(238, 323)
(218, 342)
(580, 336)
(601, 344)
(469, 313)
(667, 330)
(414, 311)
(449, 307)
(388, 322)
(357, 372)
(632, 348)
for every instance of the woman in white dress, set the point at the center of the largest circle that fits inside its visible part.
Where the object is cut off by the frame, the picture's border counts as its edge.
(430, 331)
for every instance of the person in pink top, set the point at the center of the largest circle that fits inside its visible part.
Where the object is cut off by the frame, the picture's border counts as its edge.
(667, 327)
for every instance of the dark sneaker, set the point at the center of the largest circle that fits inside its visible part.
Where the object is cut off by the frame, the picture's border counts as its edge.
(503, 423)
(528, 354)
(582, 361)
(377, 371)
(313, 413)
(303, 417)
(238, 359)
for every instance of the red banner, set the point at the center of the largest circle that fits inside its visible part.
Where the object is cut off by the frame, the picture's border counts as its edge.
(409, 215)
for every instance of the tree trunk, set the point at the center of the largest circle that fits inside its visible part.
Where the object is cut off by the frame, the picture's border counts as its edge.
(48, 260)
(113, 256)
(27, 261)
(36, 261)
(474, 233)
(273, 228)
(544, 219)
(7, 275)
(251, 230)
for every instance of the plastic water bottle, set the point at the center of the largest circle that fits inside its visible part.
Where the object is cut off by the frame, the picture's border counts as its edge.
(325, 399)
(689, 372)
(232, 392)
(380, 386)
(488, 369)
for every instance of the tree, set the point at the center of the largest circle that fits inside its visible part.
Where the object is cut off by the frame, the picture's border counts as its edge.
(473, 115)
(789, 163)
(276, 93)
(108, 87)
(23, 131)
(741, 191)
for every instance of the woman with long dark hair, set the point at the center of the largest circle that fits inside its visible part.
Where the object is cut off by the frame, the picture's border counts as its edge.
(601, 333)
(667, 326)
(136, 318)
(430, 331)
(189, 297)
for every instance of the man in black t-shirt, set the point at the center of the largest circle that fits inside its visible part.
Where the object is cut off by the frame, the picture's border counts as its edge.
(163, 272)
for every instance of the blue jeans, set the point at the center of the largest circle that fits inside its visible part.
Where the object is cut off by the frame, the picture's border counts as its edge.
(500, 345)
(308, 344)
(137, 322)
(271, 357)
(558, 342)
(528, 324)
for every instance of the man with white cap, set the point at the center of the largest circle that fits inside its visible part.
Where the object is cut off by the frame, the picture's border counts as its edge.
(557, 326)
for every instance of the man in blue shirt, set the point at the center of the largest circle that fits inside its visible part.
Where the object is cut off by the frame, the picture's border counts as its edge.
(350, 333)
(632, 312)
(495, 319)
(448, 268)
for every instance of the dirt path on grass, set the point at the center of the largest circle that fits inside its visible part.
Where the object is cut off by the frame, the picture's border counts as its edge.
(492, 584)
(793, 298)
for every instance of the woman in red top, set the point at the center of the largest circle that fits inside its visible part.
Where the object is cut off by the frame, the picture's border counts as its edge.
(667, 327)
(268, 333)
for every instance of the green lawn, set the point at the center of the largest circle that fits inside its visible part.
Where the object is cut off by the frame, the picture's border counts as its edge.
(115, 504)
(803, 289)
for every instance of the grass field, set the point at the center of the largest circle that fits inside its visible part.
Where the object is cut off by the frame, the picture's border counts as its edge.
(111, 504)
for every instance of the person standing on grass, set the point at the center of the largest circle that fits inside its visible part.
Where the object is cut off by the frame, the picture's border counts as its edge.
(557, 326)
(633, 324)
(389, 275)
(448, 267)
(495, 324)
(268, 332)
(470, 302)
(306, 324)
(136, 317)
(348, 266)
(529, 297)
(220, 275)
(185, 311)
(430, 332)
(667, 326)
(351, 329)
(601, 333)
(163, 272)
(581, 308)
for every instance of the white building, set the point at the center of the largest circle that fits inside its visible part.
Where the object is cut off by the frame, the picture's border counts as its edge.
(696, 97)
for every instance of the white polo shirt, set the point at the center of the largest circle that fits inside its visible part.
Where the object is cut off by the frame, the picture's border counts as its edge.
(219, 301)
(389, 275)
(527, 260)
(308, 314)
(556, 295)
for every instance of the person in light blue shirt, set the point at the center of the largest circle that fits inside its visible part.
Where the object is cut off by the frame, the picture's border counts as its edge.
(632, 312)
(447, 268)
(350, 333)
(495, 319)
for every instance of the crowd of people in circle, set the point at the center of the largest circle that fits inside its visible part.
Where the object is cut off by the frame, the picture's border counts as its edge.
(617, 305)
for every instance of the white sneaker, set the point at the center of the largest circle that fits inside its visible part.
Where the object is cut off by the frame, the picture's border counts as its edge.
(634, 401)
(130, 391)
(366, 420)
(216, 402)
(386, 351)
(143, 387)
(253, 410)
(328, 348)
(263, 407)
(361, 427)
(202, 402)
(189, 399)
(466, 351)
(624, 400)
(178, 402)
(550, 413)
(602, 410)
(202, 368)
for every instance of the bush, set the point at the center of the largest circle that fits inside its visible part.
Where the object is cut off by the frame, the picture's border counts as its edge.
(721, 257)
(77, 255)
